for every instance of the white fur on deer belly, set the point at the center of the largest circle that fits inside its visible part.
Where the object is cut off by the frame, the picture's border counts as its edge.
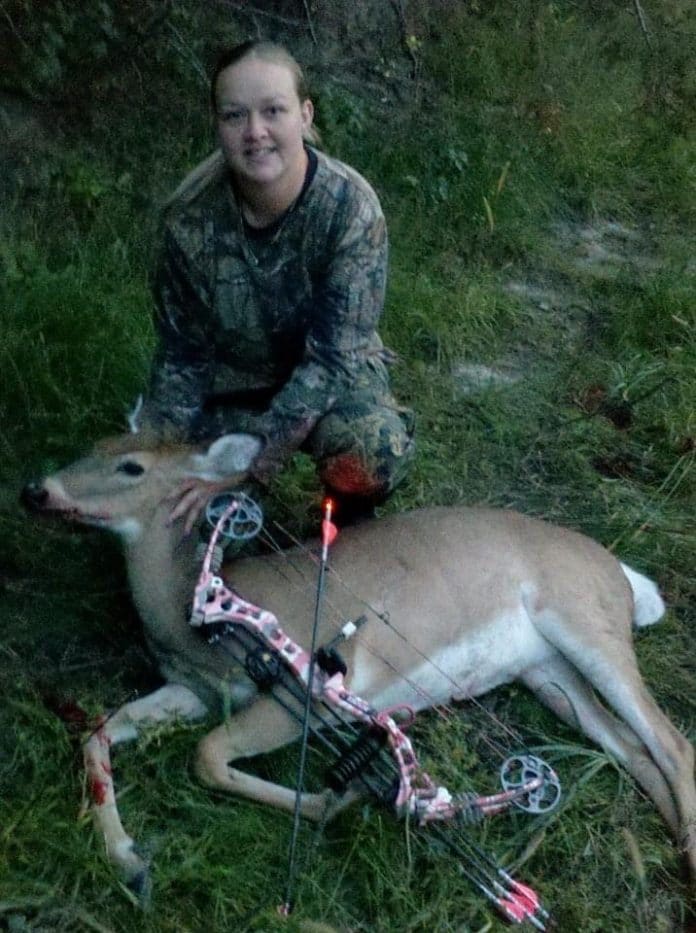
(494, 654)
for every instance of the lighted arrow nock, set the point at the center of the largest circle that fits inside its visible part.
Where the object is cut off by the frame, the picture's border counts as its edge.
(328, 529)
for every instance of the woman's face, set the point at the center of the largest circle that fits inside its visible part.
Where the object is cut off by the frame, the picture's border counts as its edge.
(261, 121)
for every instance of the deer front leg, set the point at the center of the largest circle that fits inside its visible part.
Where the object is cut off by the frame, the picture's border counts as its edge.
(257, 730)
(164, 705)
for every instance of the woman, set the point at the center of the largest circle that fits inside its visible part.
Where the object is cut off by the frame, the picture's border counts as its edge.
(268, 293)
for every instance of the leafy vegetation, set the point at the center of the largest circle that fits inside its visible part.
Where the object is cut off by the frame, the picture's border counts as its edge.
(538, 178)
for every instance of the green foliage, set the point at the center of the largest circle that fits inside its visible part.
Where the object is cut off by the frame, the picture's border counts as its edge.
(342, 116)
(63, 323)
(588, 89)
(73, 49)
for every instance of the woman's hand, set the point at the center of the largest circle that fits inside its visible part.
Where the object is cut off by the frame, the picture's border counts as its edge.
(192, 497)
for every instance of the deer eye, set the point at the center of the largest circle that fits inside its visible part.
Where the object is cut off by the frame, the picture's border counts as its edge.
(130, 468)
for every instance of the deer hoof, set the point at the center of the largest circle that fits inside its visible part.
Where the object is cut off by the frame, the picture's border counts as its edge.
(140, 886)
(133, 870)
(333, 804)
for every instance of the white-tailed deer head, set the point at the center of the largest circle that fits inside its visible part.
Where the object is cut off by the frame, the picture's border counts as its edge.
(119, 483)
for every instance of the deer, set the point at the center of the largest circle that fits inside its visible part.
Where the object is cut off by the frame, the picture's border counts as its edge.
(491, 595)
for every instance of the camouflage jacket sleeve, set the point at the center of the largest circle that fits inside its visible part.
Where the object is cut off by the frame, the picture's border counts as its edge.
(348, 300)
(182, 365)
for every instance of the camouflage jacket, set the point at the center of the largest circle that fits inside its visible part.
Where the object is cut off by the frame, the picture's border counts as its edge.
(291, 313)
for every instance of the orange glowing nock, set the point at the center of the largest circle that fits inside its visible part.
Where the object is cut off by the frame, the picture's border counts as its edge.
(328, 529)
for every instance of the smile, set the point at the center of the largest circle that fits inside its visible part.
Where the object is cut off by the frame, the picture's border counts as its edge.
(260, 153)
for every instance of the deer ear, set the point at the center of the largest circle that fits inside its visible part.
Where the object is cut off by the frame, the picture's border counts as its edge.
(229, 455)
(133, 417)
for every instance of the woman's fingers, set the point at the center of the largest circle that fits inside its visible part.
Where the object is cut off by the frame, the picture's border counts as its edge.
(183, 507)
(194, 512)
(190, 500)
(181, 489)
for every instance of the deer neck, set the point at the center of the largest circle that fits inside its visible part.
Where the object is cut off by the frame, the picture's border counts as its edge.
(162, 570)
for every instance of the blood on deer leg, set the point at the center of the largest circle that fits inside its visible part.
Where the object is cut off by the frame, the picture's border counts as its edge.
(164, 705)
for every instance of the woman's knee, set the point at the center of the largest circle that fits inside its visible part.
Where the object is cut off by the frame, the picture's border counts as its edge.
(364, 453)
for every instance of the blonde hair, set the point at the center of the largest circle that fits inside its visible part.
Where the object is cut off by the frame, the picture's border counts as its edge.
(213, 168)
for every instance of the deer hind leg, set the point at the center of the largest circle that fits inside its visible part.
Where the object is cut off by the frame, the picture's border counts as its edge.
(167, 704)
(558, 685)
(670, 750)
(604, 656)
(257, 730)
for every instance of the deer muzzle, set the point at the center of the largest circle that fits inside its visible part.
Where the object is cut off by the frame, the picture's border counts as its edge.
(34, 497)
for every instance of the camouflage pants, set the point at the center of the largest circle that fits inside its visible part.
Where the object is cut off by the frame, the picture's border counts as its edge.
(363, 446)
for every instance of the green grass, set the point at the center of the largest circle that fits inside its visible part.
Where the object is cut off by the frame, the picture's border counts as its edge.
(532, 126)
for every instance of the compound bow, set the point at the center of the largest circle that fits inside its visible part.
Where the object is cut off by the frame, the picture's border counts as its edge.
(368, 745)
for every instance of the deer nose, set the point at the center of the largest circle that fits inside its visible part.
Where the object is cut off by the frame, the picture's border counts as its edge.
(34, 496)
